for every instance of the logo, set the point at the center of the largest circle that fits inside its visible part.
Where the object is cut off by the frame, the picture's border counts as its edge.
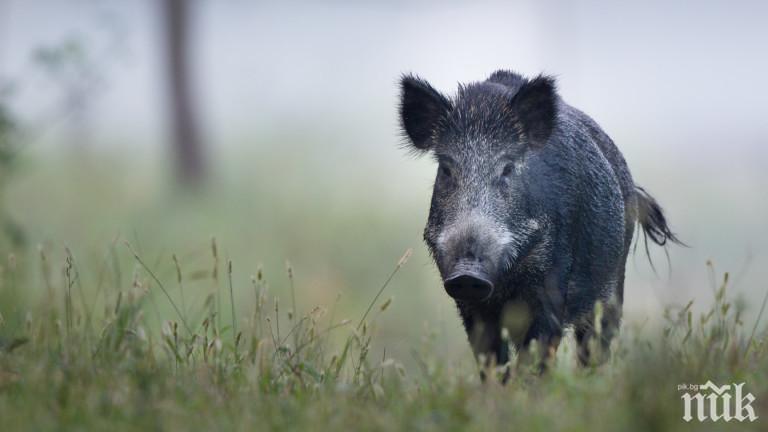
(711, 402)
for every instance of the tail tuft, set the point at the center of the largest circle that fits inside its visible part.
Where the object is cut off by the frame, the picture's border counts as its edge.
(651, 218)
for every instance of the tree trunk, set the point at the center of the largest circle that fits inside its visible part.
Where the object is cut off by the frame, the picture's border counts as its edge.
(187, 146)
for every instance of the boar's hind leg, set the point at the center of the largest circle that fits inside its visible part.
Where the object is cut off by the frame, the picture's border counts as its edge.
(593, 342)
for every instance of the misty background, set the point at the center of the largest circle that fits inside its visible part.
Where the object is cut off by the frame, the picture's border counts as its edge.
(294, 110)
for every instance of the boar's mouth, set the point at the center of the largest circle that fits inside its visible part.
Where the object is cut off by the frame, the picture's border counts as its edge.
(468, 286)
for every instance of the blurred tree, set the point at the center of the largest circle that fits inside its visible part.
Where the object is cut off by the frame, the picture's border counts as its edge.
(187, 146)
(10, 230)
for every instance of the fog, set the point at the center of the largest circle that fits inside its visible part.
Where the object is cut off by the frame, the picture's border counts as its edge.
(679, 87)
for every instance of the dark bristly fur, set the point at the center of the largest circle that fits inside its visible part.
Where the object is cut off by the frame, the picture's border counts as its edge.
(533, 210)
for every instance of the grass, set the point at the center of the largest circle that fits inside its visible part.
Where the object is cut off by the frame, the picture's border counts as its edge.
(176, 331)
(85, 355)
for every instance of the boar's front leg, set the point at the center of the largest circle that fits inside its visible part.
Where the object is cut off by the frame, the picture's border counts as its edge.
(483, 328)
(547, 324)
(547, 333)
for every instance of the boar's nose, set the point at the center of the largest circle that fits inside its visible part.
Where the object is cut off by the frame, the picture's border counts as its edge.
(468, 286)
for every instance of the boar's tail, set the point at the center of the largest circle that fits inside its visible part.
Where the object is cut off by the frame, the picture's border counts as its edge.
(654, 224)
(652, 220)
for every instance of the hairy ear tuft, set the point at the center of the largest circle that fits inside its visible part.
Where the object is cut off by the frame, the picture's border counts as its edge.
(535, 105)
(422, 108)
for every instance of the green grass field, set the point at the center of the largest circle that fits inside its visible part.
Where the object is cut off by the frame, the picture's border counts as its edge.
(133, 307)
(142, 357)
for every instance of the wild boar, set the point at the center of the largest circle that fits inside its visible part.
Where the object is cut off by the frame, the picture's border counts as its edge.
(533, 211)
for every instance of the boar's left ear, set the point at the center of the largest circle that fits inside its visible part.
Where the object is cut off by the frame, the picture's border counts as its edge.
(422, 108)
(535, 106)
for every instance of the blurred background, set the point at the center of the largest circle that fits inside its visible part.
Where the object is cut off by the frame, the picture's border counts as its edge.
(272, 128)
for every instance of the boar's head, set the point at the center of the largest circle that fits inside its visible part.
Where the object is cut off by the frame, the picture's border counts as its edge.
(489, 210)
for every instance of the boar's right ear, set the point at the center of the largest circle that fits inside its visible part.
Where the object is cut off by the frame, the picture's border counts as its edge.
(422, 108)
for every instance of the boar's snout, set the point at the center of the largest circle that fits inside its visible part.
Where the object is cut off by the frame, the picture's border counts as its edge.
(468, 286)
(469, 254)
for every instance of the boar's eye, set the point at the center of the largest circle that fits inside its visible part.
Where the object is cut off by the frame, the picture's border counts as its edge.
(508, 169)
